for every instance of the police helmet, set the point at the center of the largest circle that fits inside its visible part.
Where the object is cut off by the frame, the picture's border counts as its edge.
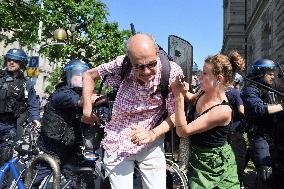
(195, 67)
(18, 55)
(73, 72)
(238, 79)
(262, 66)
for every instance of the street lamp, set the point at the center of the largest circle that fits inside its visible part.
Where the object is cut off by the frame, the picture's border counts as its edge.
(60, 34)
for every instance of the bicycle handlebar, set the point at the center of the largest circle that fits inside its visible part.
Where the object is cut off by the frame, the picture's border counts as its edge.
(51, 162)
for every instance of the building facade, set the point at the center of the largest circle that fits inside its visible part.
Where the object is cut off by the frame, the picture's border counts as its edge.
(255, 28)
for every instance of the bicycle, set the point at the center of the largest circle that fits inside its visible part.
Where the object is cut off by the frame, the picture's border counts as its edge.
(176, 179)
(82, 175)
(23, 155)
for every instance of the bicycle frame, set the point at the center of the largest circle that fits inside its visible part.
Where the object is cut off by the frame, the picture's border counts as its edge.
(10, 165)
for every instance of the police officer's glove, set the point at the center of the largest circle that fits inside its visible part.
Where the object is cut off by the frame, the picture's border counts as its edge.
(90, 120)
(37, 125)
(282, 104)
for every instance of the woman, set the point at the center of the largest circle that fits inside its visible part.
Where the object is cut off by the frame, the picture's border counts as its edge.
(212, 163)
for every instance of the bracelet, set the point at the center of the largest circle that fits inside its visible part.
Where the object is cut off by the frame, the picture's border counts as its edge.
(181, 125)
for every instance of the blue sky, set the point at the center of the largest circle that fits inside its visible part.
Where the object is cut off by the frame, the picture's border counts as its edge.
(200, 22)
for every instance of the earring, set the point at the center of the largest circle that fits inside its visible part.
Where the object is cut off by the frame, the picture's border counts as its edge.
(218, 82)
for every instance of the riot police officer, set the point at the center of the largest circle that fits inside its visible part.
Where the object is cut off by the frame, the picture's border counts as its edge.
(261, 114)
(61, 134)
(17, 100)
(278, 171)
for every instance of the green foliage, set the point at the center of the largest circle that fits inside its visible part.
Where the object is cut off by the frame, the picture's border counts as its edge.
(54, 79)
(90, 36)
(1, 62)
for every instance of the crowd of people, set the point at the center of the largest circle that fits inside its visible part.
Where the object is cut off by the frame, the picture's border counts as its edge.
(222, 109)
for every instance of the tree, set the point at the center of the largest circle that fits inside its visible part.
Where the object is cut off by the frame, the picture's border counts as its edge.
(90, 36)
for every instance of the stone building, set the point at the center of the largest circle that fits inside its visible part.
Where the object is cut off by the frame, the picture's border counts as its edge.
(255, 28)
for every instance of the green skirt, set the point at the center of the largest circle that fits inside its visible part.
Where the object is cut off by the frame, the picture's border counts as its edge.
(213, 168)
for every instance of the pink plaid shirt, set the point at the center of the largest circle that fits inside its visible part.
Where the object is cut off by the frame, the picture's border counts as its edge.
(134, 105)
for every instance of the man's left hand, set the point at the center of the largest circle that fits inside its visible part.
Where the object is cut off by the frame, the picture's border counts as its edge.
(141, 136)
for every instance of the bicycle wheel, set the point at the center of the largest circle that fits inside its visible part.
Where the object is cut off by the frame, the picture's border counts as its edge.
(176, 179)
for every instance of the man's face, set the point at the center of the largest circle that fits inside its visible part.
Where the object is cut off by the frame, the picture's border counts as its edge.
(145, 68)
(76, 81)
(268, 77)
(13, 65)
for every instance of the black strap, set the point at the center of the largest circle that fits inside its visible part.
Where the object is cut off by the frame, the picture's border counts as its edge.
(165, 75)
(198, 97)
(125, 68)
(222, 103)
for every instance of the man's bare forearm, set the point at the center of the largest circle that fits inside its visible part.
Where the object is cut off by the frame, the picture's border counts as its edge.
(88, 89)
(165, 126)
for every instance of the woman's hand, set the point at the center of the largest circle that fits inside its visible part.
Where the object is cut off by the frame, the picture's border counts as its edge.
(179, 87)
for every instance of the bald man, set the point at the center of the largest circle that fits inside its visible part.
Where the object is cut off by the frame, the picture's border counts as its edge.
(134, 133)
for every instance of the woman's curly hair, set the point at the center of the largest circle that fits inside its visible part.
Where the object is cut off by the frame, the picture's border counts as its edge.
(226, 65)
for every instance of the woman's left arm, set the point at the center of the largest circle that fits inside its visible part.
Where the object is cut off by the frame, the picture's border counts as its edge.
(218, 116)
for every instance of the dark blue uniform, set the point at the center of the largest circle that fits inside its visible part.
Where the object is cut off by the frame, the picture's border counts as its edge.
(260, 123)
(18, 103)
(261, 126)
(278, 138)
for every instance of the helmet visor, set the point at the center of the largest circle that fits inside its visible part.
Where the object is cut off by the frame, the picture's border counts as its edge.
(74, 76)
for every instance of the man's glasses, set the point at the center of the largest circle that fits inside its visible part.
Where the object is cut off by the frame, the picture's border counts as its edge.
(151, 65)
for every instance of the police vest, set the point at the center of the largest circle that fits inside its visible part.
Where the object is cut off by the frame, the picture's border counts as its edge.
(12, 96)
